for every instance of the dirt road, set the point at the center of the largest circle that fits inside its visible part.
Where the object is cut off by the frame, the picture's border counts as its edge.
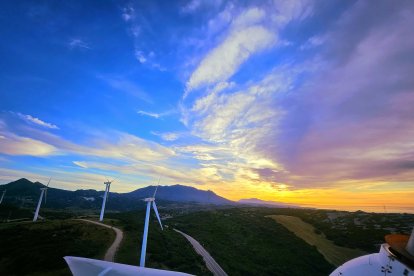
(110, 253)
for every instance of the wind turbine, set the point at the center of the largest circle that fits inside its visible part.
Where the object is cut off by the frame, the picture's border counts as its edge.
(108, 186)
(2, 196)
(43, 191)
(144, 239)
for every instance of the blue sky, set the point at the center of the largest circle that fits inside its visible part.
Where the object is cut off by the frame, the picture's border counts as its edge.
(273, 99)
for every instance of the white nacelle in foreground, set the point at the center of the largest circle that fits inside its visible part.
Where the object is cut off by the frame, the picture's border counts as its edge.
(90, 267)
(382, 263)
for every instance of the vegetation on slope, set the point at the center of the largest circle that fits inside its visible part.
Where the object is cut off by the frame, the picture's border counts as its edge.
(245, 242)
(39, 248)
(364, 231)
(334, 254)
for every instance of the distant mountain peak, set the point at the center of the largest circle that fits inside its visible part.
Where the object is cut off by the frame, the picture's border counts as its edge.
(181, 193)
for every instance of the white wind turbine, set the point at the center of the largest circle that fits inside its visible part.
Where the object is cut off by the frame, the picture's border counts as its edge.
(2, 196)
(43, 191)
(144, 239)
(108, 186)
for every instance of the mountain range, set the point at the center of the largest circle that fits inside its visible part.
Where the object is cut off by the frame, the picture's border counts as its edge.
(25, 193)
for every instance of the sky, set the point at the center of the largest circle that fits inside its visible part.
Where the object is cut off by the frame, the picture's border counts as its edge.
(305, 102)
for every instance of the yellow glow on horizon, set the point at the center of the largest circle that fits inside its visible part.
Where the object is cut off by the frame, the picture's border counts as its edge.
(329, 198)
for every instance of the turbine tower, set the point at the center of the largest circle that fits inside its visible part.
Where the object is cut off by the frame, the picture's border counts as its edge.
(144, 239)
(43, 191)
(2, 196)
(108, 186)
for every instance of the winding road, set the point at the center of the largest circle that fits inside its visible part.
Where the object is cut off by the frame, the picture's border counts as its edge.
(110, 253)
(212, 265)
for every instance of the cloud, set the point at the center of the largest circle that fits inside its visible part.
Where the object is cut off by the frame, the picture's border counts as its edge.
(139, 27)
(287, 11)
(248, 33)
(155, 115)
(140, 56)
(341, 113)
(167, 136)
(192, 6)
(249, 17)
(36, 121)
(76, 43)
(111, 144)
(11, 144)
(126, 86)
(239, 117)
(128, 13)
(195, 5)
(353, 121)
(148, 60)
(150, 114)
(65, 179)
(223, 61)
(80, 164)
(312, 42)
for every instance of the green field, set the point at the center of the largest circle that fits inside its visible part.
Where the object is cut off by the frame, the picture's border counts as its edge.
(38, 248)
(334, 254)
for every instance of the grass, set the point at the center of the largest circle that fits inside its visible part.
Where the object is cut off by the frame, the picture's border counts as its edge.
(334, 254)
(38, 248)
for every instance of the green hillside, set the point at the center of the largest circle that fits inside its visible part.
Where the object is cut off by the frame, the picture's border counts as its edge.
(39, 248)
(247, 243)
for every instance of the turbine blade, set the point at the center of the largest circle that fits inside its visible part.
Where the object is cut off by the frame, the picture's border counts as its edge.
(156, 213)
(48, 182)
(157, 187)
(45, 196)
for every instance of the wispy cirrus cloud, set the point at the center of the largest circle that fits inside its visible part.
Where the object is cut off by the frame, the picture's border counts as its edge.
(80, 164)
(36, 121)
(129, 87)
(137, 24)
(167, 136)
(155, 114)
(244, 39)
(223, 61)
(148, 60)
(11, 144)
(193, 6)
(77, 43)
(248, 32)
